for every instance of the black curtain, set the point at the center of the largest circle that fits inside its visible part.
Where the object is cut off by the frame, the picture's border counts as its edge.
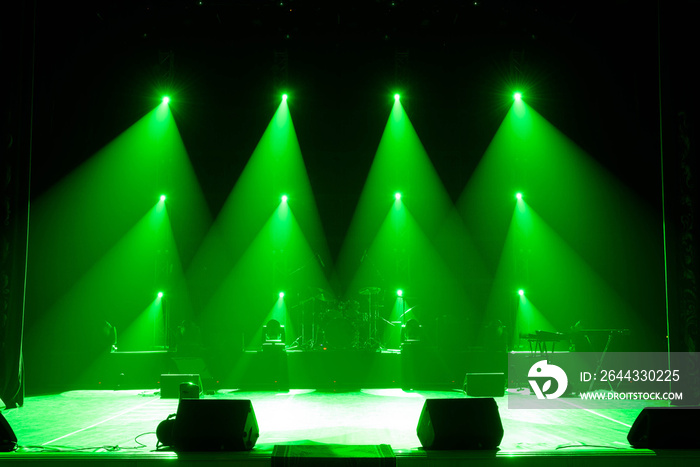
(679, 117)
(18, 44)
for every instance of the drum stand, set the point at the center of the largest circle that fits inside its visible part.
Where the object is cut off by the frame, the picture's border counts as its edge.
(372, 341)
(306, 342)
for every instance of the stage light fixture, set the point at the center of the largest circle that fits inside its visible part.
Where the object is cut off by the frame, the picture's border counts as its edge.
(281, 294)
(273, 336)
(273, 331)
(160, 294)
(284, 97)
(284, 198)
(166, 100)
(519, 196)
(517, 96)
(397, 97)
(397, 196)
(411, 331)
(521, 292)
(399, 293)
(162, 197)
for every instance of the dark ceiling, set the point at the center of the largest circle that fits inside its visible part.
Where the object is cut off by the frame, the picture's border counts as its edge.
(591, 69)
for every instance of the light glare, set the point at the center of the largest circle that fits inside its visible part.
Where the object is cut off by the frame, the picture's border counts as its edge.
(399, 293)
(281, 294)
(397, 196)
(521, 292)
(517, 96)
(519, 196)
(166, 100)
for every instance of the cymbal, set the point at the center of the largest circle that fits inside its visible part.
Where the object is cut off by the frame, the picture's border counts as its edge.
(369, 291)
(320, 294)
(324, 297)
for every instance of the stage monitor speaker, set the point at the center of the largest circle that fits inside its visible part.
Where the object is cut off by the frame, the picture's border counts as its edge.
(170, 384)
(484, 384)
(8, 440)
(460, 424)
(214, 425)
(666, 428)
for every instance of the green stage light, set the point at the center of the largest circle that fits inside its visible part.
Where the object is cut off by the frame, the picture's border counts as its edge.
(284, 97)
(166, 100)
(281, 294)
(521, 292)
(397, 97)
(519, 196)
(160, 294)
(397, 196)
(399, 293)
(162, 197)
(517, 96)
(284, 198)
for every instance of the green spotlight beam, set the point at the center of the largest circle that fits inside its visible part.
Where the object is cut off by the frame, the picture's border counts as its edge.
(278, 259)
(100, 239)
(146, 332)
(402, 168)
(111, 289)
(430, 279)
(604, 227)
(276, 167)
(90, 210)
(530, 319)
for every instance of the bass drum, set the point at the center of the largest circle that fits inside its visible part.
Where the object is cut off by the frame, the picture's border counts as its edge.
(340, 333)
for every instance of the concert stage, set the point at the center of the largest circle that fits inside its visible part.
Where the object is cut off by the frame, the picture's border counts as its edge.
(92, 428)
(418, 367)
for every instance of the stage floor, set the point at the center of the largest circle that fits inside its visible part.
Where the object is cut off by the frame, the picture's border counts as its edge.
(96, 426)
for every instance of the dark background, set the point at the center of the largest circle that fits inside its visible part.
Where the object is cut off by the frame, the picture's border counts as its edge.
(592, 71)
(599, 72)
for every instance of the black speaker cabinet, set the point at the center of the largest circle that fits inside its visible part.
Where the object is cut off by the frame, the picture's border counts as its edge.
(666, 428)
(484, 384)
(170, 384)
(460, 424)
(215, 425)
(8, 440)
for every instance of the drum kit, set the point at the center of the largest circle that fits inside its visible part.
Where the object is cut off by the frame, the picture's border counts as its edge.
(333, 324)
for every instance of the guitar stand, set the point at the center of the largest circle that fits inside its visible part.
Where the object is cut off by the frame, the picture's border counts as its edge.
(600, 364)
